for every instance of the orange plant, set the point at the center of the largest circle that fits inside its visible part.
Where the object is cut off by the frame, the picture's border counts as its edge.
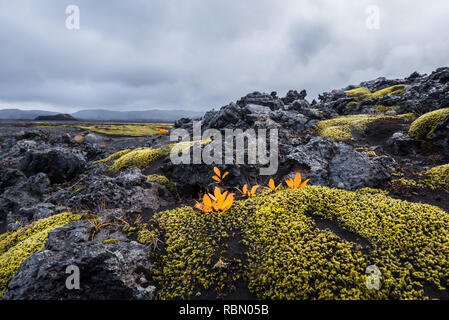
(160, 130)
(296, 183)
(249, 192)
(216, 202)
(219, 177)
(271, 185)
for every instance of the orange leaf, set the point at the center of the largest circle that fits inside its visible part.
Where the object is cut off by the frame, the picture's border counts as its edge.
(207, 201)
(304, 183)
(289, 183)
(271, 184)
(297, 181)
(245, 189)
(217, 171)
(228, 202)
(254, 189)
(224, 175)
(216, 178)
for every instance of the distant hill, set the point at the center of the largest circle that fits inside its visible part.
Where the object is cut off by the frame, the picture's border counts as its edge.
(104, 115)
(155, 115)
(17, 114)
(56, 117)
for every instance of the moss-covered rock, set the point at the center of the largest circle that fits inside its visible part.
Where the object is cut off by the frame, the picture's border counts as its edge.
(163, 180)
(342, 128)
(113, 156)
(422, 127)
(286, 254)
(140, 158)
(17, 246)
(364, 93)
(437, 178)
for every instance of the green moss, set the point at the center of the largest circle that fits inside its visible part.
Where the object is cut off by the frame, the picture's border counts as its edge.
(359, 93)
(163, 180)
(422, 127)
(285, 255)
(383, 108)
(393, 90)
(342, 128)
(437, 178)
(110, 241)
(127, 129)
(17, 246)
(113, 156)
(364, 93)
(404, 182)
(372, 191)
(145, 236)
(142, 157)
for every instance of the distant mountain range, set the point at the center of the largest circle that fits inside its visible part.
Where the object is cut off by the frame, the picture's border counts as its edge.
(104, 115)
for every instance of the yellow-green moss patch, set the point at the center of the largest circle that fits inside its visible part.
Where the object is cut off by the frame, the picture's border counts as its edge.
(342, 128)
(140, 158)
(437, 178)
(364, 93)
(285, 255)
(111, 241)
(163, 180)
(113, 156)
(422, 127)
(17, 246)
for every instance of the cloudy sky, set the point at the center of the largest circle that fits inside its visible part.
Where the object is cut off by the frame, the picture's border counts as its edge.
(200, 54)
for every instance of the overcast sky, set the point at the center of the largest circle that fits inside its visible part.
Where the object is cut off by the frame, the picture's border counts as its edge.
(201, 54)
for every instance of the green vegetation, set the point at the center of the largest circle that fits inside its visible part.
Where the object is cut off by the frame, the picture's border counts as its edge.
(113, 156)
(140, 158)
(283, 254)
(342, 128)
(383, 108)
(121, 129)
(437, 178)
(15, 247)
(364, 93)
(163, 180)
(423, 127)
(110, 241)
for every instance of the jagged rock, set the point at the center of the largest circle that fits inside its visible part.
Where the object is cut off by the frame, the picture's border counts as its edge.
(129, 190)
(59, 164)
(352, 170)
(10, 177)
(23, 216)
(339, 165)
(440, 135)
(402, 144)
(107, 271)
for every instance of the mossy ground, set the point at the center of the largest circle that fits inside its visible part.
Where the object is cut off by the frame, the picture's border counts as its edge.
(422, 127)
(163, 180)
(118, 129)
(143, 157)
(343, 128)
(284, 254)
(364, 93)
(15, 247)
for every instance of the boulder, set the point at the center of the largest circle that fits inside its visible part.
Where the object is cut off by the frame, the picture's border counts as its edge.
(107, 271)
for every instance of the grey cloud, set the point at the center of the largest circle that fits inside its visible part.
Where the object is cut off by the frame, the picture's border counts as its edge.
(201, 54)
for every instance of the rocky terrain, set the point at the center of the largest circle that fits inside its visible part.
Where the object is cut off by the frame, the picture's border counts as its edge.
(376, 154)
